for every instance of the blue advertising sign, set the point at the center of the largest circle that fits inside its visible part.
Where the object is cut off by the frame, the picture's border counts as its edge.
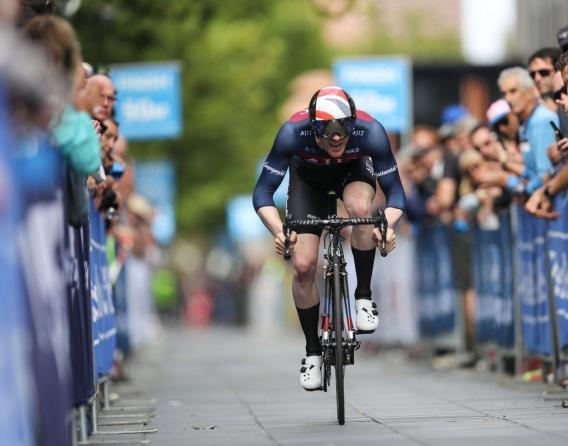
(558, 253)
(493, 278)
(156, 181)
(149, 100)
(380, 86)
(242, 221)
(435, 281)
(533, 286)
(102, 306)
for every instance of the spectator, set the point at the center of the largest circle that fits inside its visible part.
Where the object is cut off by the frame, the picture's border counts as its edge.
(542, 67)
(107, 97)
(562, 37)
(540, 202)
(536, 136)
(73, 131)
(505, 124)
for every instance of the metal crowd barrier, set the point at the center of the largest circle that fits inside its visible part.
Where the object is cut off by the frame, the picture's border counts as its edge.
(521, 282)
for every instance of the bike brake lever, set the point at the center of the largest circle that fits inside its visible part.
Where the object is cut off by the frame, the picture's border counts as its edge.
(286, 229)
(383, 225)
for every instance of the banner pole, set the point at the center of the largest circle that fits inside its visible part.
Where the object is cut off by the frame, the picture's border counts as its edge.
(517, 304)
(552, 311)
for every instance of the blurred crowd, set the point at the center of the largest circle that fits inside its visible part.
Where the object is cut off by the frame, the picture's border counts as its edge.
(467, 170)
(57, 100)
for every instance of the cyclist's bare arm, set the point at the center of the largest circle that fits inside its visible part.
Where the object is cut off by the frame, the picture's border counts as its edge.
(271, 219)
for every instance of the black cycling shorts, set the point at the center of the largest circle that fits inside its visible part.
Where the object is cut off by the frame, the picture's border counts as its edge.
(309, 187)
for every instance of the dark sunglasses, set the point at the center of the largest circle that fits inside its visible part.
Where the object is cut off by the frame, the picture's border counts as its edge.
(321, 127)
(542, 73)
(557, 95)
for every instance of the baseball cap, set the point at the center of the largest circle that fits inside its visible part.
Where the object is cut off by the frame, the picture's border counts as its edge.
(497, 111)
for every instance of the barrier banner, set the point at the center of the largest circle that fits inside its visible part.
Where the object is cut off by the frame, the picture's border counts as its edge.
(80, 318)
(40, 240)
(102, 306)
(17, 417)
(436, 294)
(532, 284)
(493, 279)
(558, 252)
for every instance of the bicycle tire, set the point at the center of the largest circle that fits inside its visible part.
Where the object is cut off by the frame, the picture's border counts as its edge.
(338, 329)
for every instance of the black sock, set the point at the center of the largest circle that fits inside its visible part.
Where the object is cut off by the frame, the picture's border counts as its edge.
(309, 320)
(364, 261)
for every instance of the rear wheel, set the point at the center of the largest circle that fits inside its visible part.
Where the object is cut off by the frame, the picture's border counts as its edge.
(338, 328)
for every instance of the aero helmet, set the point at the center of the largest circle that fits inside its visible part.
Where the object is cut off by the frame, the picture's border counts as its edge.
(331, 111)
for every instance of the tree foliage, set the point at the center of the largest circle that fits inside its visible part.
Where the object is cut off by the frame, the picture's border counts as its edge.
(237, 58)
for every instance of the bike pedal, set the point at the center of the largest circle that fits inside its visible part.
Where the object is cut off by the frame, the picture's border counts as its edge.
(314, 390)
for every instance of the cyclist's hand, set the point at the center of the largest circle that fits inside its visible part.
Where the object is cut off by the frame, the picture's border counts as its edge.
(391, 239)
(281, 239)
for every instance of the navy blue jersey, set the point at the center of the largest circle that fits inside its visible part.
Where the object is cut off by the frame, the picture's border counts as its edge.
(296, 139)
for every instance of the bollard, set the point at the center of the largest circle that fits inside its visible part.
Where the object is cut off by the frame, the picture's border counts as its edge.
(74, 440)
(83, 431)
(106, 395)
(94, 413)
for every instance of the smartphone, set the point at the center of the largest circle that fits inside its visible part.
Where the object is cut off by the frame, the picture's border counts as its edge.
(557, 133)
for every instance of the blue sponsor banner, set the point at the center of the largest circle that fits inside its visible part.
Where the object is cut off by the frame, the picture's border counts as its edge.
(156, 181)
(149, 100)
(435, 285)
(558, 252)
(532, 284)
(40, 239)
(17, 416)
(493, 278)
(380, 86)
(243, 223)
(102, 306)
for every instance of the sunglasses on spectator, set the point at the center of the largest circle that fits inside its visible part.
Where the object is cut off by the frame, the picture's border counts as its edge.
(543, 73)
(558, 93)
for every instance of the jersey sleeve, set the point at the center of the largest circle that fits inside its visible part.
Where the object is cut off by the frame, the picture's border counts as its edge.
(274, 168)
(386, 169)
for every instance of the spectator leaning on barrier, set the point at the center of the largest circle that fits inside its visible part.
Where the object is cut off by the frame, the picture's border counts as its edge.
(536, 135)
(505, 124)
(72, 130)
(542, 67)
(107, 96)
(540, 203)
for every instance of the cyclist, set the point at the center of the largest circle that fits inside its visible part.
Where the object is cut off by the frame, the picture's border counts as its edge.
(330, 146)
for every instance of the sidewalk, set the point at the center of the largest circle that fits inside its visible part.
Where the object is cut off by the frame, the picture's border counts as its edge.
(229, 387)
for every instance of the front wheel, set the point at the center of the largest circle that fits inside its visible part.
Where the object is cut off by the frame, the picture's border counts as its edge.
(338, 329)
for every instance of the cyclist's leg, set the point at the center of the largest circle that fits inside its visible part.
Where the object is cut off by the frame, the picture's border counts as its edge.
(304, 290)
(358, 194)
(357, 197)
(306, 201)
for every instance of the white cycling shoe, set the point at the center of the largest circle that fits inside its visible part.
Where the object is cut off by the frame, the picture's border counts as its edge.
(310, 373)
(367, 315)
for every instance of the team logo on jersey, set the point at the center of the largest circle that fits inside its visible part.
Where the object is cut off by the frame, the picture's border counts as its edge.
(369, 166)
(382, 173)
(274, 171)
(306, 132)
(358, 133)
